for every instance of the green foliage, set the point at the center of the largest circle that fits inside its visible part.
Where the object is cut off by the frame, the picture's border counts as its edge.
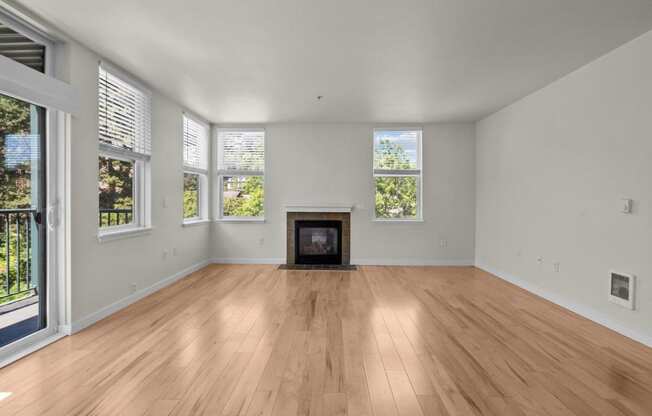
(116, 183)
(25, 257)
(190, 195)
(248, 199)
(396, 196)
(14, 116)
(115, 190)
(15, 181)
(15, 193)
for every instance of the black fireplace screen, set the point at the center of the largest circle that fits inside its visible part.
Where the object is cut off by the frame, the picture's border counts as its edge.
(318, 242)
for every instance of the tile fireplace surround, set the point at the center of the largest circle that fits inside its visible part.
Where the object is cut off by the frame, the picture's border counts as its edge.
(339, 213)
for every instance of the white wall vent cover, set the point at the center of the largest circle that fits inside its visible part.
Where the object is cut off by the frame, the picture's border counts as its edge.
(622, 288)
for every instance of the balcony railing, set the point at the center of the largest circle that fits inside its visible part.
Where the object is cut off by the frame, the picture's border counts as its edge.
(16, 280)
(112, 217)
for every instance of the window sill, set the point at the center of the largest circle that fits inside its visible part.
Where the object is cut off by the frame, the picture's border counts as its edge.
(192, 223)
(106, 236)
(248, 220)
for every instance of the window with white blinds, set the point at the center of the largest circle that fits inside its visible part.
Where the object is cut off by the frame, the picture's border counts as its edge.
(124, 115)
(195, 144)
(241, 174)
(124, 118)
(241, 151)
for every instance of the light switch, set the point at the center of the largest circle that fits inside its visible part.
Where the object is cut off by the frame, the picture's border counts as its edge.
(627, 206)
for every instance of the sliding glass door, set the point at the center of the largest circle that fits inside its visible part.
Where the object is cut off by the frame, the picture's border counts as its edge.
(22, 234)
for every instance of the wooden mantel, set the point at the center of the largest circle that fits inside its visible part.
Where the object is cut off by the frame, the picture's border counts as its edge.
(318, 208)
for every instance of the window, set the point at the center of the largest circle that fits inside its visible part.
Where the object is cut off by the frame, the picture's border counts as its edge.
(241, 173)
(195, 165)
(124, 110)
(22, 49)
(397, 174)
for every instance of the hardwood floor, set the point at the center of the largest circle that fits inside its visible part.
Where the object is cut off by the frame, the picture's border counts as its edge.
(252, 340)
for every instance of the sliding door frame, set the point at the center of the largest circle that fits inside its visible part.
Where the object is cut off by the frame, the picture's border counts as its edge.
(55, 227)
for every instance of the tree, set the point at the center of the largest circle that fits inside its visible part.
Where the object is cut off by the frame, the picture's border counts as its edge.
(190, 195)
(115, 190)
(396, 196)
(15, 192)
(249, 196)
(14, 180)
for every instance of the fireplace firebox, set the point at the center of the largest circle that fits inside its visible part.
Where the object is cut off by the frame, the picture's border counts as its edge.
(318, 242)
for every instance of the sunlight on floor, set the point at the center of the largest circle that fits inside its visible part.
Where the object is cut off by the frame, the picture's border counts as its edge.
(4, 395)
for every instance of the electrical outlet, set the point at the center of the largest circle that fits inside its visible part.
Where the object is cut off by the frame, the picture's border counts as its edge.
(540, 260)
(443, 243)
(555, 267)
(261, 241)
(166, 253)
(175, 252)
(133, 287)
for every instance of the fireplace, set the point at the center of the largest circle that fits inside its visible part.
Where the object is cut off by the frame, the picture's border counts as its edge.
(318, 236)
(318, 242)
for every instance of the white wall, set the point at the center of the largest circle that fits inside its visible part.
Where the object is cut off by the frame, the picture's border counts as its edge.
(332, 164)
(101, 273)
(551, 170)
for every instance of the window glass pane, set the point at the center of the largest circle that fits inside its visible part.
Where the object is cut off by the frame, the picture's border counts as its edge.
(396, 196)
(242, 196)
(190, 195)
(116, 192)
(19, 152)
(396, 149)
(21, 197)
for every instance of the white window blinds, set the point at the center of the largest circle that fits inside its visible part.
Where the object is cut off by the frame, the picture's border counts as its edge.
(241, 151)
(124, 115)
(195, 144)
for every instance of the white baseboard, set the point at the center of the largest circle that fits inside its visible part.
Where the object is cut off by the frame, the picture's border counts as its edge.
(410, 262)
(582, 310)
(65, 329)
(134, 297)
(361, 262)
(247, 260)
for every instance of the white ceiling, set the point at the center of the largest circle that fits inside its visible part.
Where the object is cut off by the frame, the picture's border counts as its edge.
(258, 61)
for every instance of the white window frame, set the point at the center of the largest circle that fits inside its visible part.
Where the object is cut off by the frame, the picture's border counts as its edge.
(221, 173)
(141, 207)
(142, 217)
(203, 174)
(418, 173)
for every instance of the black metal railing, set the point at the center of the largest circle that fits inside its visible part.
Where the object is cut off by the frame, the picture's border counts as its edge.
(16, 280)
(112, 217)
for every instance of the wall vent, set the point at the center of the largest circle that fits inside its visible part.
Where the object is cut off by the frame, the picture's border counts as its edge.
(622, 288)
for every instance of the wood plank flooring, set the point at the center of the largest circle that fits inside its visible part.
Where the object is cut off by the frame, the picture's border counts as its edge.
(409, 341)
